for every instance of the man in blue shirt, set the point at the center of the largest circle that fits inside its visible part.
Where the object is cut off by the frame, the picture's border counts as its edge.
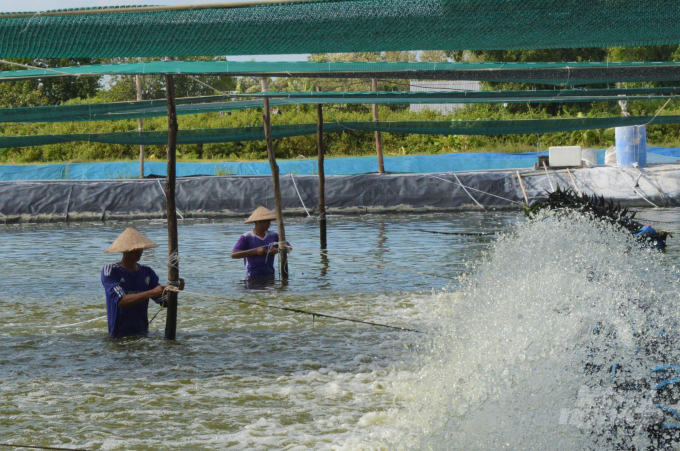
(129, 286)
(258, 247)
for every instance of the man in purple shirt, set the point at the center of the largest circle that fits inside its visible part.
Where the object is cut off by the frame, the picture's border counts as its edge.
(258, 247)
(129, 286)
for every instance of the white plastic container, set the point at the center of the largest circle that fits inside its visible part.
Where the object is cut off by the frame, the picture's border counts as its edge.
(565, 156)
(589, 157)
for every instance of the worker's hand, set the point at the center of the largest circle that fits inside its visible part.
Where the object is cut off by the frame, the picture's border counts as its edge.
(156, 292)
(181, 284)
(261, 251)
(274, 251)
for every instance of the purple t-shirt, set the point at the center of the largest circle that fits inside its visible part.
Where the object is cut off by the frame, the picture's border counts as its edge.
(258, 265)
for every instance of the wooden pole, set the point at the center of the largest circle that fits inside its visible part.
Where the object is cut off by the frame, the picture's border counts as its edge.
(322, 174)
(521, 185)
(138, 79)
(173, 244)
(266, 116)
(378, 135)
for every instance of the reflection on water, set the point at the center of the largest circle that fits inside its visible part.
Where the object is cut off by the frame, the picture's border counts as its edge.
(239, 376)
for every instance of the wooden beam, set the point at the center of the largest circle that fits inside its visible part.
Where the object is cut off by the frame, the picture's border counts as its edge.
(266, 116)
(378, 135)
(138, 80)
(173, 244)
(321, 151)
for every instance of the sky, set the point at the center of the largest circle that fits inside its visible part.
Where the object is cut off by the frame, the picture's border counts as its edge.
(44, 5)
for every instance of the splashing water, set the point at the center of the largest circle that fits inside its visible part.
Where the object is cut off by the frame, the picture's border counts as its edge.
(550, 344)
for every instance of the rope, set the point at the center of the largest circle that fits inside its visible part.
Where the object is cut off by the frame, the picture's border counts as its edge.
(26, 66)
(633, 188)
(468, 193)
(473, 189)
(173, 260)
(457, 233)
(294, 310)
(298, 193)
(154, 317)
(74, 324)
(163, 191)
(658, 188)
(7, 445)
(208, 86)
(379, 265)
(657, 113)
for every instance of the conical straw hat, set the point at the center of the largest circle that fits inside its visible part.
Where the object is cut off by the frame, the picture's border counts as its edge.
(261, 214)
(130, 240)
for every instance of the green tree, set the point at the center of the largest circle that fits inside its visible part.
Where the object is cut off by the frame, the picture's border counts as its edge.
(47, 90)
(123, 88)
(645, 53)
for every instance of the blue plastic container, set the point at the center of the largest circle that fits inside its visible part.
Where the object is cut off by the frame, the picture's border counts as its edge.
(631, 145)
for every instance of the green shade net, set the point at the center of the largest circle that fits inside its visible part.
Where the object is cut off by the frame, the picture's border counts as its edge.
(223, 135)
(569, 74)
(158, 108)
(344, 26)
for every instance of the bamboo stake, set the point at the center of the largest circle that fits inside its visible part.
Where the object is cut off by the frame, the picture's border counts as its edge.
(138, 80)
(378, 135)
(573, 182)
(173, 244)
(149, 9)
(521, 185)
(322, 174)
(266, 116)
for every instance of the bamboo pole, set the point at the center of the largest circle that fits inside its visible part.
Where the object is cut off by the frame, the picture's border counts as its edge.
(322, 174)
(378, 135)
(138, 80)
(149, 9)
(173, 244)
(521, 185)
(266, 116)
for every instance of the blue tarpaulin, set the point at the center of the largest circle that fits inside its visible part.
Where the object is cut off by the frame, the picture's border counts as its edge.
(334, 166)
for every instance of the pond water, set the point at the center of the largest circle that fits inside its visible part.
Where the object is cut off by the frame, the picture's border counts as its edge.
(246, 377)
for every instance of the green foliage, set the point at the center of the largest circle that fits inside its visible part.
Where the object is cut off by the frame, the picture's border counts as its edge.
(646, 53)
(47, 91)
(124, 88)
(225, 171)
(72, 90)
(349, 143)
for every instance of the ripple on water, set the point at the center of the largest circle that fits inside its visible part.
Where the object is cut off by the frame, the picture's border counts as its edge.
(247, 377)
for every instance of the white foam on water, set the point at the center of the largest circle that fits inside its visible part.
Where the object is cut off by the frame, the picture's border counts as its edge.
(529, 340)
(502, 364)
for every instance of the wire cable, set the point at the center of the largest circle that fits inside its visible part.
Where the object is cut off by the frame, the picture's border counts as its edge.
(473, 189)
(294, 310)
